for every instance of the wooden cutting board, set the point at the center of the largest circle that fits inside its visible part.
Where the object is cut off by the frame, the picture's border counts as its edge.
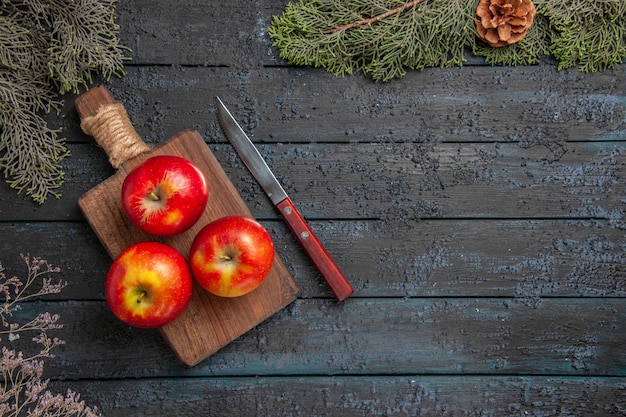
(210, 322)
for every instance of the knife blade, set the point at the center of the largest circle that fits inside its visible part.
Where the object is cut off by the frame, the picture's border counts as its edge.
(249, 154)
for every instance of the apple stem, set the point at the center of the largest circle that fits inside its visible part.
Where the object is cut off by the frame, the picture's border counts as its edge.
(142, 295)
(225, 258)
(154, 196)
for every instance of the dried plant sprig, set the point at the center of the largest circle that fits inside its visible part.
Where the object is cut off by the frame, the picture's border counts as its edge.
(16, 291)
(22, 390)
(48, 48)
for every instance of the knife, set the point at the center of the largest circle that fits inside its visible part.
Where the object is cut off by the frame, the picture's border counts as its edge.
(249, 154)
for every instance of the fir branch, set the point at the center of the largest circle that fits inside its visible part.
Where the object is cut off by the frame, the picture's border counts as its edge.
(30, 152)
(420, 34)
(588, 35)
(377, 18)
(432, 33)
(48, 48)
(83, 40)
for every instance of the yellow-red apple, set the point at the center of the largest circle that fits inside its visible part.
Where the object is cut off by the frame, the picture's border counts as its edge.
(148, 285)
(231, 256)
(165, 195)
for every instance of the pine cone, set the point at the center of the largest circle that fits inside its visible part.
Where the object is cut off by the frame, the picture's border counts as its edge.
(503, 22)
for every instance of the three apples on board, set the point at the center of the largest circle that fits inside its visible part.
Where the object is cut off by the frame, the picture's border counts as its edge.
(150, 283)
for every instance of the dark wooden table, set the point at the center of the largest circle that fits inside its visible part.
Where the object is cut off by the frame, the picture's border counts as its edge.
(480, 213)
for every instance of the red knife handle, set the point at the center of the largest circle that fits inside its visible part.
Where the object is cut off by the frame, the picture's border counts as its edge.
(336, 281)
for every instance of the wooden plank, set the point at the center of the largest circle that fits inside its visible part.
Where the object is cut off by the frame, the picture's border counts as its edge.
(530, 105)
(535, 106)
(372, 336)
(73, 247)
(520, 259)
(405, 181)
(232, 33)
(370, 395)
(397, 181)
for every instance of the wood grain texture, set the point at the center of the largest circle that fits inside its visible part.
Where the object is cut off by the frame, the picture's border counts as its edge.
(368, 336)
(480, 211)
(399, 181)
(349, 396)
(227, 34)
(209, 322)
(534, 106)
(525, 260)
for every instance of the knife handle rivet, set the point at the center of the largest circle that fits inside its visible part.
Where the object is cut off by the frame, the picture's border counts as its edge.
(304, 235)
(287, 210)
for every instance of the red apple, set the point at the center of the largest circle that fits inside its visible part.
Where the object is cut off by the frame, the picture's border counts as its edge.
(231, 256)
(165, 195)
(148, 285)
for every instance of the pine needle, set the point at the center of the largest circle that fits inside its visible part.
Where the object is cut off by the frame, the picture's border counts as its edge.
(384, 38)
(47, 48)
